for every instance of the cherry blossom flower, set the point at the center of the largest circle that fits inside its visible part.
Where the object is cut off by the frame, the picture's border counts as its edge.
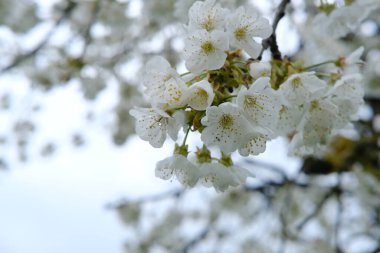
(153, 125)
(255, 143)
(180, 167)
(222, 177)
(343, 20)
(260, 103)
(226, 127)
(347, 94)
(303, 87)
(164, 86)
(207, 15)
(243, 26)
(205, 51)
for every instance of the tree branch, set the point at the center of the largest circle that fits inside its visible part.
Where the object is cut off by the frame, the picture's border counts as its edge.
(271, 42)
(316, 210)
(195, 241)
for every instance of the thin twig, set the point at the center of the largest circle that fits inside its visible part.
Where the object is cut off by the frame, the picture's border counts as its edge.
(195, 241)
(316, 210)
(271, 42)
(166, 195)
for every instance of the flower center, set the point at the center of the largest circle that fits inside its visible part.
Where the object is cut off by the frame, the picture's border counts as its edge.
(251, 101)
(241, 33)
(202, 94)
(226, 121)
(208, 24)
(314, 105)
(296, 82)
(208, 47)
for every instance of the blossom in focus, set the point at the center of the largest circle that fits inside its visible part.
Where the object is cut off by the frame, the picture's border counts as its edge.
(207, 15)
(243, 26)
(205, 51)
(226, 127)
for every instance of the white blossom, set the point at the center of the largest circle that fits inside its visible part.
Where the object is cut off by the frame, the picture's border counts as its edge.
(260, 103)
(222, 177)
(259, 69)
(153, 125)
(205, 51)
(200, 95)
(243, 26)
(289, 118)
(301, 88)
(347, 94)
(226, 127)
(255, 144)
(343, 20)
(318, 122)
(164, 86)
(180, 167)
(207, 15)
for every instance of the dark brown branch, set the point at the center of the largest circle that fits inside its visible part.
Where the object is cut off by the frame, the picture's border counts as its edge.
(271, 42)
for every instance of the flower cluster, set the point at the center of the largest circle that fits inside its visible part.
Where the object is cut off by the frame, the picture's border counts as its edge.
(239, 104)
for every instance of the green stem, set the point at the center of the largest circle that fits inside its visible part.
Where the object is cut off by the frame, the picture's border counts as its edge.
(319, 64)
(240, 61)
(187, 133)
(186, 73)
(323, 74)
(199, 77)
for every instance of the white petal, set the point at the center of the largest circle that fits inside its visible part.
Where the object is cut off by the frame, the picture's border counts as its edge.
(259, 69)
(200, 95)
(256, 145)
(225, 127)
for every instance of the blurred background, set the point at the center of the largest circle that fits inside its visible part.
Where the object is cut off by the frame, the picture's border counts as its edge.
(74, 177)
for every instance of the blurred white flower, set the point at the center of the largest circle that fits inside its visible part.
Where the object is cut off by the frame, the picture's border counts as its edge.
(343, 20)
(347, 94)
(289, 118)
(164, 86)
(180, 167)
(222, 177)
